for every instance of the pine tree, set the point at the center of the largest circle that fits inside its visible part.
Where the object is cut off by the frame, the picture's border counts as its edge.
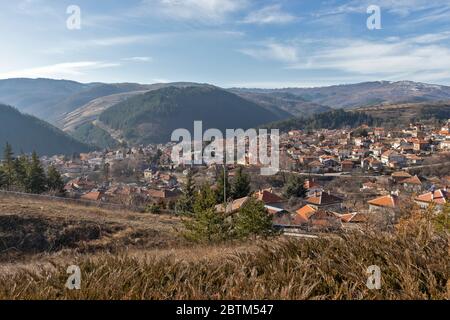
(185, 205)
(2, 177)
(8, 166)
(54, 180)
(223, 185)
(253, 219)
(241, 184)
(295, 187)
(37, 180)
(20, 166)
(206, 225)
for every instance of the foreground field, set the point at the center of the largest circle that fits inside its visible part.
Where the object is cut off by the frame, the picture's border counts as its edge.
(413, 261)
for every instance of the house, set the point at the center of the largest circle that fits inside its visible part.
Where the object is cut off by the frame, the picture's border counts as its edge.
(324, 200)
(412, 184)
(371, 163)
(233, 206)
(312, 187)
(400, 175)
(93, 196)
(268, 197)
(318, 220)
(347, 165)
(438, 198)
(315, 166)
(391, 156)
(387, 204)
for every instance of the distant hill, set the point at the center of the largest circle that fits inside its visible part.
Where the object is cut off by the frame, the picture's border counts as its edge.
(91, 110)
(151, 117)
(27, 133)
(405, 113)
(364, 94)
(334, 119)
(50, 99)
(289, 104)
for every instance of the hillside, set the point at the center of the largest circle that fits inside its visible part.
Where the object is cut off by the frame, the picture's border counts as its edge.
(27, 133)
(91, 110)
(405, 113)
(152, 117)
(366, 93)
(334, 119)
(291, 104)
(128, 255)
(50, 99)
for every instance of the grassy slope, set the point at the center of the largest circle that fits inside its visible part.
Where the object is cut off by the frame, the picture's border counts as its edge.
(413, 261)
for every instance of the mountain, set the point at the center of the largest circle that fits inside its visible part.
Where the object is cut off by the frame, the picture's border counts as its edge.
(405, 113)
(363, 94)
(50, 99)
(290, 104)
(334, 119)
(152, 117)
(91, 110)
(27, 133)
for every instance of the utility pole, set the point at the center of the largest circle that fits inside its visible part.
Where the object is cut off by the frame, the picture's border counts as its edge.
(224, 189)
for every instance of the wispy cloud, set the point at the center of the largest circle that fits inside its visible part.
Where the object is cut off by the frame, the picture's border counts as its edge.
(410, 57)
(59, 70)
(202, 11)
(138, 59)
(270, 15)
(271, 50)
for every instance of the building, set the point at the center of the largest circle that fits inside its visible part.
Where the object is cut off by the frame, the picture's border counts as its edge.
(324, 200)
(387, 204)
(438, 198)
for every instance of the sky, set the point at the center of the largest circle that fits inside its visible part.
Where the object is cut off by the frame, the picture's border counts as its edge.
(228, 43)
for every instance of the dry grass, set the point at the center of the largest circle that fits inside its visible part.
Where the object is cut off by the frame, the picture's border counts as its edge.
(413, 261)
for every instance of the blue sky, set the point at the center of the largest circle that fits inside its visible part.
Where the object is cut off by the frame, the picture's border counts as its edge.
(246, 43)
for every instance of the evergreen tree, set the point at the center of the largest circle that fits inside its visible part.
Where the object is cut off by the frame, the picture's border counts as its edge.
(2, 177)
(20, 166)
(54, 180)
(241, 184)
(206, 225)
(223, 185)
(8, 166)
(295, 187)
(37, 180)
(185, 205)
(253, 220)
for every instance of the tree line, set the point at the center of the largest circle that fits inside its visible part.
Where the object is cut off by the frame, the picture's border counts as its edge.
(26, 174)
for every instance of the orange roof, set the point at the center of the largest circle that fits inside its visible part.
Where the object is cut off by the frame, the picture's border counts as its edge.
(304, 213)
(389, 201)
(412, 180)
(438, 196)
(268, 197)
(401, 174)
(94, 196)
(323, 198)
(353, 217)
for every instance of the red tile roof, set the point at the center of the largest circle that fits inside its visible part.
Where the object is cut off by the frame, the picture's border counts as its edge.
(389, 201)
(439, 196)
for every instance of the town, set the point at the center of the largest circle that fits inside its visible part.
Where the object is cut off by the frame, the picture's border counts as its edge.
(349, 177)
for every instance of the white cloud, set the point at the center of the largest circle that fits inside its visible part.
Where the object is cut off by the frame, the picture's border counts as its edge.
(203, 11)
(59, 70)
(271, 50)
(270, 15)
(138, 59)
(413, 58)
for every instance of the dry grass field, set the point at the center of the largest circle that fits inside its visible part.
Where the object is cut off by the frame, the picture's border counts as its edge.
(127, 255)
